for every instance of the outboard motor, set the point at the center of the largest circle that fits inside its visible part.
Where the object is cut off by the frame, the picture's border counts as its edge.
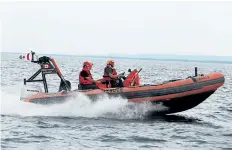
(63, 87)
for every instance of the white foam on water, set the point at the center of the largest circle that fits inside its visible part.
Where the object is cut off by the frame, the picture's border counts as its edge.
(78, 106)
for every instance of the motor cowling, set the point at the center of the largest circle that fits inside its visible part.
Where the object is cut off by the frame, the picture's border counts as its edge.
(63, 86)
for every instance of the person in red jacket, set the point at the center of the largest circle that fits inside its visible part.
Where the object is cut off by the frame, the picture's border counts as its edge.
(86, 80)
(110, 74)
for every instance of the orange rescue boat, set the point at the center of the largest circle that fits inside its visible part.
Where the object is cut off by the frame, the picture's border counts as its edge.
(176, 95)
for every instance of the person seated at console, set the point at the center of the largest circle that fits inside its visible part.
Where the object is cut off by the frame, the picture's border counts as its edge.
(111, 75)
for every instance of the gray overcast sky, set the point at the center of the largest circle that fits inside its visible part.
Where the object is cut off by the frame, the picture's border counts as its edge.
(89, 28)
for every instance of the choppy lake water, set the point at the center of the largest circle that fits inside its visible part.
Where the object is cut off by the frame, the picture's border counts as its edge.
(112, 123)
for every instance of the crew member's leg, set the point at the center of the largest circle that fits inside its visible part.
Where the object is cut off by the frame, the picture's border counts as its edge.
(116, 83)
(89, 86)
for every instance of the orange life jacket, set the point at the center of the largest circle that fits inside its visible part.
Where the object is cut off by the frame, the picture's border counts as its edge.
(106, 75)
(82, 80)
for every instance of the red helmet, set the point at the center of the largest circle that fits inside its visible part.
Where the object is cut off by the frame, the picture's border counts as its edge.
(87, 64)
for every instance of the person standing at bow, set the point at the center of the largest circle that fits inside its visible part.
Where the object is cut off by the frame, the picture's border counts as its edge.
(110, 74)
(86, 80)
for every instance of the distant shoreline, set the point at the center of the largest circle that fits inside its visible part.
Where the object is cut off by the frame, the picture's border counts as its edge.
(146, 57)
(157, 59)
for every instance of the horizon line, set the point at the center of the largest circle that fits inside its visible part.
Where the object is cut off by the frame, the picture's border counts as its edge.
(125, 54)
(144, 58)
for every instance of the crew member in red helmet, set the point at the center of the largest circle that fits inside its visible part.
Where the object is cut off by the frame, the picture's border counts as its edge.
(86, 80)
